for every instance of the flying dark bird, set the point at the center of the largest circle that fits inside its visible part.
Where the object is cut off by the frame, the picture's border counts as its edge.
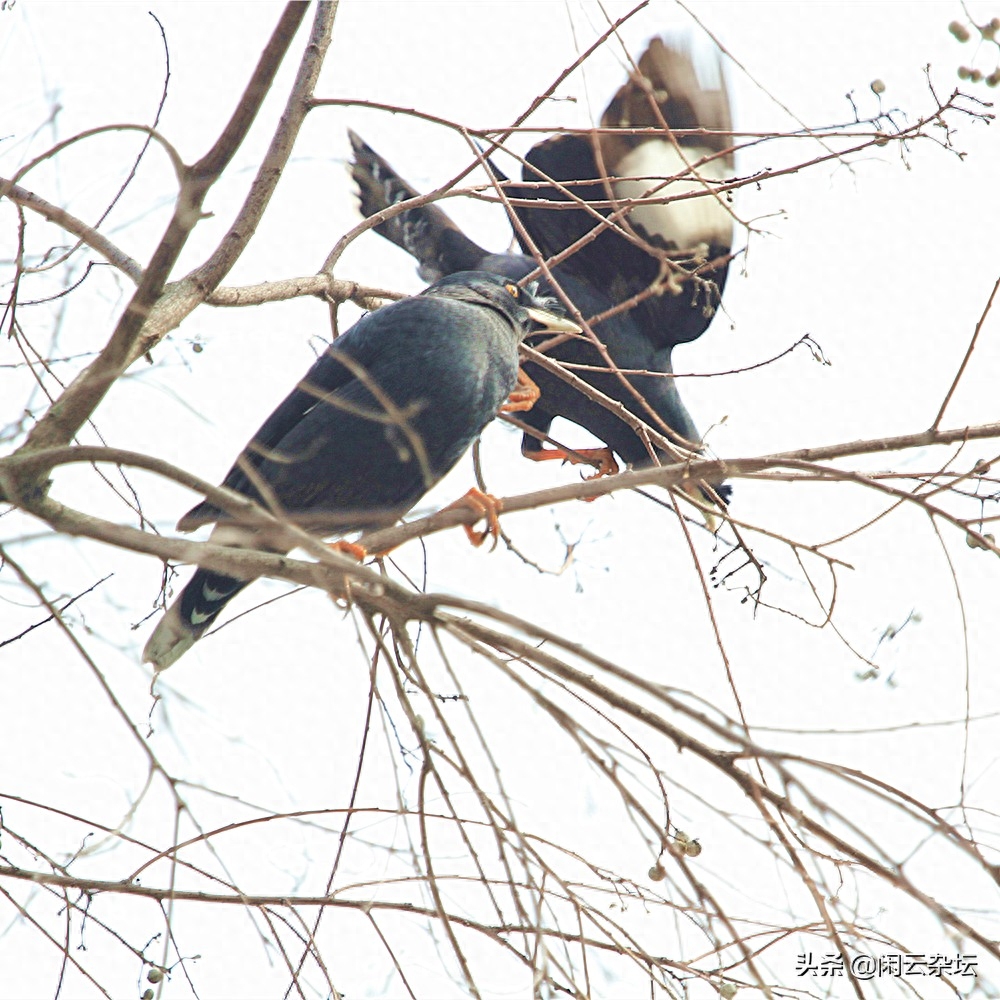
(672, 257)
(381, 416)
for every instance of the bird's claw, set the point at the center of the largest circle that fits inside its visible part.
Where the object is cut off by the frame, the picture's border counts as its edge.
(607, 466)
(604, 457)
(524, 396)
(351, 549)
(486, 505)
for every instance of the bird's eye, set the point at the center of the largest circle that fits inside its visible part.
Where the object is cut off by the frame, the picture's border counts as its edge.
(513, 290)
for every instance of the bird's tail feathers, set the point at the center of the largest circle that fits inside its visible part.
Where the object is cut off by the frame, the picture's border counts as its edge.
(189, 617)
(425, 232)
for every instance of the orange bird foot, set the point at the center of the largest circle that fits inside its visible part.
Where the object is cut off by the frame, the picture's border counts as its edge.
(606, 464)
(523, 397)
(351, 549)
(486, 505)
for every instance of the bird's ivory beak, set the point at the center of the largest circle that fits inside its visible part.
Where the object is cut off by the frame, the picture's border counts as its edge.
(552, 323)
(705, 506)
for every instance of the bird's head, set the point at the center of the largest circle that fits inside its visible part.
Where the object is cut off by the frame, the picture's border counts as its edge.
(527, 311)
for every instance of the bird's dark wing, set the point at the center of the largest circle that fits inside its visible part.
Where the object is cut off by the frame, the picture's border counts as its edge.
(424, 232)
(569, 161)
(327, 375)
(388, 408)
(680, 248)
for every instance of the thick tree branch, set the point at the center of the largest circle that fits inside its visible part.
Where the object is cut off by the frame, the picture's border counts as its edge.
(335, 572)
(151, 314)
(211, 273)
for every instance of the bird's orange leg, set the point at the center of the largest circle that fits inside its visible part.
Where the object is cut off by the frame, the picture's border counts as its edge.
(351, 549)
(524, 396)
(486, 505)
(607, 466)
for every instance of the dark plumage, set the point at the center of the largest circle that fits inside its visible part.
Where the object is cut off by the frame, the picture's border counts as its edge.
(694, 234)
(686, 92)
(386, 411)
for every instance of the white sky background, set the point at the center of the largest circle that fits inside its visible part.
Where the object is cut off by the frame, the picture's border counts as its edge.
(888, 268)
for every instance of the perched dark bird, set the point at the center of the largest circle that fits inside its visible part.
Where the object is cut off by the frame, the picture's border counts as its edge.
(386, 411)
(674, 257)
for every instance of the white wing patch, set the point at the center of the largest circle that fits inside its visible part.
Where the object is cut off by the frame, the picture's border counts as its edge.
(685, 223)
